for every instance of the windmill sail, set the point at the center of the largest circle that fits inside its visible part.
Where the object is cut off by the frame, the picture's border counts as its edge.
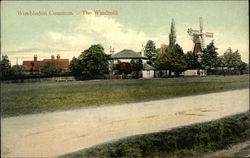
(198, 37)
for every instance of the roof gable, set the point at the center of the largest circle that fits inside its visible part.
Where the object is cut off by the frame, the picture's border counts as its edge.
(127, 54)
(148, 67)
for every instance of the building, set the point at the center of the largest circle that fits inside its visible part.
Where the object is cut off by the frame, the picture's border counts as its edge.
(148, 71)
(33, 66)
(127, 55)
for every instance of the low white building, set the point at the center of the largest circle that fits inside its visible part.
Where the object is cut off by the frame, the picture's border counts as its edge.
(194, 72)
(148, 71)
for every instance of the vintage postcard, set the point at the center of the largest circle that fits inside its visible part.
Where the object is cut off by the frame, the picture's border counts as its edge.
(125, 79)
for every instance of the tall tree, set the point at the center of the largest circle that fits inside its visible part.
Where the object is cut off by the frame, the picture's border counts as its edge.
(5, 67)
(93, 61)
(172, 34)
(209, 56)
(232, 59)
(75, 66)
(150, 50)
(169, 59)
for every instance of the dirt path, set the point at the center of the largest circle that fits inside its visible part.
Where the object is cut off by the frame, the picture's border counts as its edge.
(56, 133)
(230, 151)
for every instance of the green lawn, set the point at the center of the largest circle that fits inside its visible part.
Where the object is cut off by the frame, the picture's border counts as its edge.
(18, 99)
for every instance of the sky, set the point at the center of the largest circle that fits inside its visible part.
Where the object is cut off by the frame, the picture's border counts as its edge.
(132, 25)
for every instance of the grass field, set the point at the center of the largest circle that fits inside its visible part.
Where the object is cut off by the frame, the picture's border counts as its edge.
(26, 98)
(190, 141)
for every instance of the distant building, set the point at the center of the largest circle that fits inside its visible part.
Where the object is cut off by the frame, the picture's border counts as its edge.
(148, 71)
(127, 55)
(33, 66)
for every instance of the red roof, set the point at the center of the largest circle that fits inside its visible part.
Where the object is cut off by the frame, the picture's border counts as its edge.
(35, 65)
(64, 63)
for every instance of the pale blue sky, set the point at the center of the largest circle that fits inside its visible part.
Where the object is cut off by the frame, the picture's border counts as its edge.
(136, 22)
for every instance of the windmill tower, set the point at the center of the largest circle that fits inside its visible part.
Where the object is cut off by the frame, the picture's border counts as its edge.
(198, 38)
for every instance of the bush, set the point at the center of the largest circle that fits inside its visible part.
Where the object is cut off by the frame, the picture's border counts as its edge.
(51, 68)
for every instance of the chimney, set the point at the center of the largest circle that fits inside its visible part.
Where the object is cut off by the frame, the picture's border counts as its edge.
(143, 51)
(58, 56)
(35, 57)
(52, 57)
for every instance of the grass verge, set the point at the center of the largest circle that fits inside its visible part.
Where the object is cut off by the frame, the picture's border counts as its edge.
(188, 141)
(26, 98)
(243, 153)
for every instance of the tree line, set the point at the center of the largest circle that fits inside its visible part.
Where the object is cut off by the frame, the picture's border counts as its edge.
(94, 63)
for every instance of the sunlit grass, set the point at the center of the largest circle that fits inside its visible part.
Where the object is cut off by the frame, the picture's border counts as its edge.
(18, 99)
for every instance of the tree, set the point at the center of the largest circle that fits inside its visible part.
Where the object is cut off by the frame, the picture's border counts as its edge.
(17, 70)
(192, 60)
(5, 67)
(123, 67)
(150, 50)
(93, 62)
(232, 59)
(172, 34)
(178, 49)
(209, 56)
(243, 66)
(169, 59)
(136, 66)
(51, 68)
(75, 66)
(220, 61)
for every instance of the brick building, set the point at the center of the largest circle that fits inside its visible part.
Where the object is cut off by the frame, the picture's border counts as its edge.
(33, 66)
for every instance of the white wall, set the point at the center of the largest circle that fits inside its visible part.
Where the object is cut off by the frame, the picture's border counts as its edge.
(194, 73)
(148, 74)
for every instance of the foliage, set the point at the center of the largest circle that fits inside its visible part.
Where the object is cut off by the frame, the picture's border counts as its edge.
(232, 59)
(189, 141)
(51, 68)
(150, 49)
(17, 70)
(172, 34)
(123, 67)
(178, 49)
(136, 65)
(220, 61)
(209, 56)
(5, 67)
(169, 59)
(92, 62)
(18, 99)
(243, 67)
(75, 66)
(192, 60)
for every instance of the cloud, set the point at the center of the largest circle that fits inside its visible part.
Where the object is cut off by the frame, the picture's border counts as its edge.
(108, 31)
(98, 29)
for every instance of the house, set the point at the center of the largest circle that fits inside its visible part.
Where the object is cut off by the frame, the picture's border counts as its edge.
(127, 55)
(34, 66)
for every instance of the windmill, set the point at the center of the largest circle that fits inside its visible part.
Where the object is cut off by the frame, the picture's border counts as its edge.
(198, 38)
